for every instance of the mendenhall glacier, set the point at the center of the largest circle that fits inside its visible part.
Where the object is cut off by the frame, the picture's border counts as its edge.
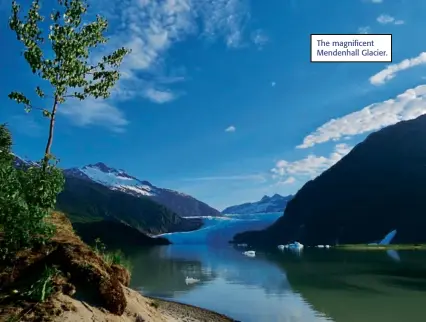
(220, 230)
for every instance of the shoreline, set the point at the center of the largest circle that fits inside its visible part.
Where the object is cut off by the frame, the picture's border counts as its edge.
(139, 308)
(188, 310)
(381, 247)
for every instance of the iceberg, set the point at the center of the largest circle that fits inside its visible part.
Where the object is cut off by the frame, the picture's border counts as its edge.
(250, 253)
(388, 238)
(191, 280)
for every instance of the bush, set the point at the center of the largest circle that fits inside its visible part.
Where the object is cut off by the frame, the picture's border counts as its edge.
(26, 198)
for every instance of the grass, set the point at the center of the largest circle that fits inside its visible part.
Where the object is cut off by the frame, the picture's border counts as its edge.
(115, 257)
(382, 247)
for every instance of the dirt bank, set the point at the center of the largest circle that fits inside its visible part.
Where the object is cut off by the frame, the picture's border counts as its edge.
(83, 286)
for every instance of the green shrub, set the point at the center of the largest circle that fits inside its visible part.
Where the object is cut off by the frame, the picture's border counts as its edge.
(26, 198)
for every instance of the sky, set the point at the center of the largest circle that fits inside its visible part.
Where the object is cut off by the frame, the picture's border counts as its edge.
(219, 99)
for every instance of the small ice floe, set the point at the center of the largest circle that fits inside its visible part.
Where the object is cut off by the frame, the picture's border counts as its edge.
(281, 247)
(250, 253)
(242, 245)
(327, 246)
(319, 246)
(191, 280)
(296, 245)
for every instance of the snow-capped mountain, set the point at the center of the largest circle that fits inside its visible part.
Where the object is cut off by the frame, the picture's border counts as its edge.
(182, 204)
(112, 178)
(276, 203)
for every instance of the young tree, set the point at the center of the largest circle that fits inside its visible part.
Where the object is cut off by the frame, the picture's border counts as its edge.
(66, 65)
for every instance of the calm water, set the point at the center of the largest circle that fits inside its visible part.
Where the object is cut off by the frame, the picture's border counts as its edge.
(317, 285)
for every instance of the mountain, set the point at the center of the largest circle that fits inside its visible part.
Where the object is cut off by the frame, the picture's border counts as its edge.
(86, 201)
(131, 237)
(376, 188)
(118, 180)
(276, 203)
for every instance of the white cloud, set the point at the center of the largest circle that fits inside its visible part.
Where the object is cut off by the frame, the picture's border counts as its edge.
(273, 84)
(150, 28)
(385, 19)
(159, 96)
(376, 1)
(289, 180)
(91, 111)
(406, 106)
(259, 38)
(364, 30)
(230, 129)
(309, 167)
(390, 71)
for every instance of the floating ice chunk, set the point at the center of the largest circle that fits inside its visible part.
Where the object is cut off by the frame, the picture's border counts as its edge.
(281, 247)
(191, 280)
(295, 245)
(250, 253)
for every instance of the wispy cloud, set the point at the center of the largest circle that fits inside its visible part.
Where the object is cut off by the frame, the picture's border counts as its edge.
(385, 19)
(288, 181)
(159, 96)
(308, 167)
(259, 38)
(150, 29)
(364, 30)
(390, 71)
(273, 84)
(406, 106)
(249, 177)
(91, 112)
(230, 129)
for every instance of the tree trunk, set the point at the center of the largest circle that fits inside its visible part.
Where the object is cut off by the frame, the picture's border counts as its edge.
(50, 138)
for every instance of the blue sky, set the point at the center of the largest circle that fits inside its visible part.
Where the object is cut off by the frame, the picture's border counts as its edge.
(219, 98)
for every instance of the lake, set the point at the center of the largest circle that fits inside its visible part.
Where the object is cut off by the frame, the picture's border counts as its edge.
(315, 285)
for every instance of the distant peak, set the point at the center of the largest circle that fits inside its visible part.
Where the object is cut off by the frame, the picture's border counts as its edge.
(101, 166)
(276, 196)
(265, 197)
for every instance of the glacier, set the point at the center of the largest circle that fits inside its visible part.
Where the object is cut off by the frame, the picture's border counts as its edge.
(220, 230)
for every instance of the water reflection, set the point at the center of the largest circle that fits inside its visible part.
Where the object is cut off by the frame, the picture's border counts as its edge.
(360, 286)
(248, 289)
(310, 286)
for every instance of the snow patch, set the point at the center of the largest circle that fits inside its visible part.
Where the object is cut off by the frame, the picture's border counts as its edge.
(117, 180)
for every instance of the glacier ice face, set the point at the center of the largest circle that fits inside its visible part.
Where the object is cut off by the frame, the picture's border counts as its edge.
(220, 230)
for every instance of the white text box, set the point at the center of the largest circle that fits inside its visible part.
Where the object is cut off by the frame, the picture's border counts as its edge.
(351, 48)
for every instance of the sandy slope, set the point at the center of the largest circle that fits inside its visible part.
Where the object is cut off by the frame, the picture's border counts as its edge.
(139, 309)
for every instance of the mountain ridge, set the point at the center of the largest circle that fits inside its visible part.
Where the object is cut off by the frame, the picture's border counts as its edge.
(117, 179)
(276, 203)
(376, 188)
(85, 201)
